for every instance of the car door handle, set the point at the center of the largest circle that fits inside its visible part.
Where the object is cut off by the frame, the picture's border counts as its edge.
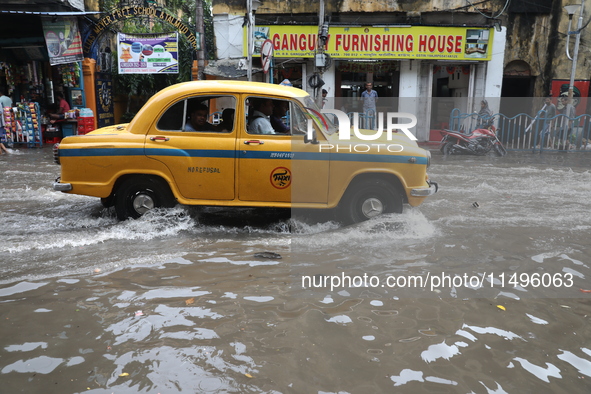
(257, 142)
(159, 138)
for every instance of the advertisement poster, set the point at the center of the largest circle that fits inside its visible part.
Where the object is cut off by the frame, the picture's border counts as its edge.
(104, 94)
(412, 42)
(580, 94)
(147, 53)
(62, 38)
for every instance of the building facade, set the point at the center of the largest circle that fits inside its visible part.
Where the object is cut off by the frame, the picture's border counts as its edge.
(428, 57)
(421, 57)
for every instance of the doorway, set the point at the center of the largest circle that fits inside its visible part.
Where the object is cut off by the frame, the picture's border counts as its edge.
(517, 84)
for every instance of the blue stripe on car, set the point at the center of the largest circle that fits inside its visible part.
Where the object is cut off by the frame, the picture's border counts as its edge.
(220, 153)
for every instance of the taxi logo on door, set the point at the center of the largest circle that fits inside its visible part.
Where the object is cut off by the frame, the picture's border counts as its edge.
(280, 178)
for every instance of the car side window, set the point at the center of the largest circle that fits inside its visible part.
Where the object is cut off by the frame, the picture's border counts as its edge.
(172, 120)
(194, 114)
(267, 116)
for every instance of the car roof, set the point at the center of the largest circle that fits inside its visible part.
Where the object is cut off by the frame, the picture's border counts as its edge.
(161, 99)
(219, 86)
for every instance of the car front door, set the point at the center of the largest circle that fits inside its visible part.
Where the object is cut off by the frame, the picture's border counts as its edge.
(281, 167)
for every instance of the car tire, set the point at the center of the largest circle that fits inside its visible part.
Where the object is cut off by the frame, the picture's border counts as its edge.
(108, 202)
(137, 196)
(368, 199)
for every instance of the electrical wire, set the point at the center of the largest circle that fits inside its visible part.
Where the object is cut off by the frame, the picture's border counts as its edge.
(491, 17)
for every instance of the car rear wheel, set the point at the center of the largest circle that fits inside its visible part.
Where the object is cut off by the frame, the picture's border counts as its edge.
(137, 196)
(369, 199)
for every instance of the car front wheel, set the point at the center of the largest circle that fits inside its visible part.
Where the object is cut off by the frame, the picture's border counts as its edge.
(137, 196)
(369, 199)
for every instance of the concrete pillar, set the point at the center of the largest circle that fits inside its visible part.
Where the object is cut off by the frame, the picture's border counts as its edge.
(88, 72)
(494, 71)
(329, 80)
(411, 87)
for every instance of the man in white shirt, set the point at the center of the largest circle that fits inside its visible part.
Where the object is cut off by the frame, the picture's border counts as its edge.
(259, 123)
(5, 101)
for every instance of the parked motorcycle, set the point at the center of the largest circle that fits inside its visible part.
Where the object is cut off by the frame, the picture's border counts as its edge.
(479, 142)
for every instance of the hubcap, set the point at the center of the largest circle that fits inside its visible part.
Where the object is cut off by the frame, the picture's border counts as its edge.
(372, 207)
(142, 203)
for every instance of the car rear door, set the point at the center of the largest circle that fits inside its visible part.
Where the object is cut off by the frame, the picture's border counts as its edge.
(202, 163)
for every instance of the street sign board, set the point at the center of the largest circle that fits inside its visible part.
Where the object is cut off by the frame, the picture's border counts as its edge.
(266, 54)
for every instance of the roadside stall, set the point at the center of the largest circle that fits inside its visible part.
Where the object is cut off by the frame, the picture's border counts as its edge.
(22, 124)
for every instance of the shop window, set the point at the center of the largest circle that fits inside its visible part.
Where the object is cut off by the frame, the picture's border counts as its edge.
(292, 73)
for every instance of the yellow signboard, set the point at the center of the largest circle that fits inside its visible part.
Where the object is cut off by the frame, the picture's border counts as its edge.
(414, 42)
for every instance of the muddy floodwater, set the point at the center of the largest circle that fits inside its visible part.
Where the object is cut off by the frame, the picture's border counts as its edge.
(483, 289)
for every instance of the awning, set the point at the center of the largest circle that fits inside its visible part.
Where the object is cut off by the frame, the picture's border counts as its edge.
(229, 68)
(62, 13)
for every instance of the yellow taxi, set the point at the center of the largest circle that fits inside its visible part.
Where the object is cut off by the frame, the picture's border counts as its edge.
(218, 143)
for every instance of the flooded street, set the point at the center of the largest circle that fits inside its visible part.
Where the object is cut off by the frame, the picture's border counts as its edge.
(181, 300)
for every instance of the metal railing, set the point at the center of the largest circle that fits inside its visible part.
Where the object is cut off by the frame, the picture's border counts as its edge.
(536, 133)
(367, 120)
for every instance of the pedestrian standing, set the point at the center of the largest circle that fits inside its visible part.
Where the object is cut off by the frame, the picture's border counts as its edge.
(485, 116)
(5, 102)
(549, 113)
(370, 101)
(324, 98)
(570, 113)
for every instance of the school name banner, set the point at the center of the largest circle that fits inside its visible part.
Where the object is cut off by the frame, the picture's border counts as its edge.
(414, 42)
(147, 53)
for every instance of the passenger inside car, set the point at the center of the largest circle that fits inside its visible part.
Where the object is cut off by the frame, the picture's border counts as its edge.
(198, 120)
(280, 108)
(227, 123)
(259, 122)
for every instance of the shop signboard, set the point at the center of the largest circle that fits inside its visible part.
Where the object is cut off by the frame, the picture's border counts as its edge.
(148, 53)
(125, 13)
(355, 43)
(63, 41)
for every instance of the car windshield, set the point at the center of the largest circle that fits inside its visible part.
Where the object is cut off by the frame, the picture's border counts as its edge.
(324, 121)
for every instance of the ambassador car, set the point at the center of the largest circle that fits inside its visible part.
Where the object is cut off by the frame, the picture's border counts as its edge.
(196, 143)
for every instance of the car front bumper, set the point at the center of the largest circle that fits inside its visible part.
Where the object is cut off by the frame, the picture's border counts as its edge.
(61, 187)
(425, 192)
